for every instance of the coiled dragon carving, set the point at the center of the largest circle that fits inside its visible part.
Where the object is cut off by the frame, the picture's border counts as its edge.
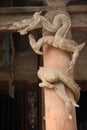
(55, 78)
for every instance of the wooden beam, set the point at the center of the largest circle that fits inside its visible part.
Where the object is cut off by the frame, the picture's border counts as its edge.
(80, 28)
(31, 9)
(9, 15)
(28, 9)
(79, 20)
(77, 9)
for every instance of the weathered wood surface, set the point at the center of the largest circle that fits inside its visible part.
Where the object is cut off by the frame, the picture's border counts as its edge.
(79, 20)
(30, 9)
(55, 112)
(77, 9)
(9, 15)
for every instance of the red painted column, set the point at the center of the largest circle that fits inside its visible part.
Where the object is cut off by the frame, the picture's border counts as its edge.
(56, 117)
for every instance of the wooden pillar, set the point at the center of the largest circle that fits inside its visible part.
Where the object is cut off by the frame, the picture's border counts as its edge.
(56, 117)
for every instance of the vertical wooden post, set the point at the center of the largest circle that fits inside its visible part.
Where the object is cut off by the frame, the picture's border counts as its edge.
(56, 117)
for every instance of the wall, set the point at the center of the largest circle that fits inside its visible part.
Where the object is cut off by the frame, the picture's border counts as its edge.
(25, 61)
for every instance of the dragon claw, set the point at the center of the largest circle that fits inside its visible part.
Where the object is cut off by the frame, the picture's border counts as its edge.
(39, 52)
(46, 84)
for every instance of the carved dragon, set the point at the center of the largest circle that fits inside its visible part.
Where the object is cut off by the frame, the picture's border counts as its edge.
(58, 80)
(54, 78)
(60, 26)
(59, 40)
